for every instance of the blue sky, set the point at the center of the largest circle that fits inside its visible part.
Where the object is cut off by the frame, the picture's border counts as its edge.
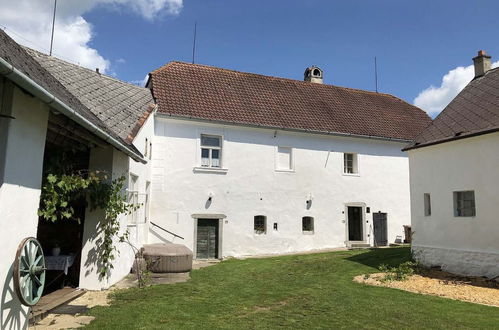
(416, 42)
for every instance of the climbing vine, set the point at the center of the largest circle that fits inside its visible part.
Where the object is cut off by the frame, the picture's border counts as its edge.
(58, 191)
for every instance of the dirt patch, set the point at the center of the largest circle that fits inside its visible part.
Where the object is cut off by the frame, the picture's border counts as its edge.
(477, 290)
(72, 315)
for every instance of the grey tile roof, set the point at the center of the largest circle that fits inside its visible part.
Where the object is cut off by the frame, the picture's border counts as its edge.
(17, 56)
(121, 106)
(472, 112)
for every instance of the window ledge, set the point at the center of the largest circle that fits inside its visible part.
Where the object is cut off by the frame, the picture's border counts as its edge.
(210, 169)
(351, 174)
(284, 170)
(308, 232)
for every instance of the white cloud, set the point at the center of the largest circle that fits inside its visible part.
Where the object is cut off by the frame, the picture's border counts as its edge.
(435, 99)
(29, 22)
(141, 83)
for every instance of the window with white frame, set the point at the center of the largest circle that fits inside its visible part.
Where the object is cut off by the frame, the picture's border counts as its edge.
(350, 165)
(464, 203)
(211, 151)
(307, 224)
(133, 197)
(260, 224)
(427, 204)
(284, 159)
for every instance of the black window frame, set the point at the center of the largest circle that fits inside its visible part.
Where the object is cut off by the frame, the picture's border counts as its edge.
(260, 224)
(307, 227)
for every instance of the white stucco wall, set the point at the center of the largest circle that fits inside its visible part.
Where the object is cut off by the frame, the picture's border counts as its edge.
(251, 186)
(19, 194)
(463, 245)
(113, 161)
(143, 172)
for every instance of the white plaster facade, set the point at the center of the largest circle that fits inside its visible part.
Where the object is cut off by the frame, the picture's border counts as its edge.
(117, 163)
(21, 157)
(22, 143)
(248, 184)
(461, 245)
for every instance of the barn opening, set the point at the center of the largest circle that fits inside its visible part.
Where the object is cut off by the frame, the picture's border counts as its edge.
(67, 150)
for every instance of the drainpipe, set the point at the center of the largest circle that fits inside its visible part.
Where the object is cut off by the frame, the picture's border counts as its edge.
(9, 71)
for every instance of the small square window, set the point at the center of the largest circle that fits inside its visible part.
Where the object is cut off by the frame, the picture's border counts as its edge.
(350, 163)
(307, 224)
(284, 158)
(427, 205)
(260, 224)
(464, 203)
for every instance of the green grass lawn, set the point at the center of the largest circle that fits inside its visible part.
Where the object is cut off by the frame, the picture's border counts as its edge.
(294, 292)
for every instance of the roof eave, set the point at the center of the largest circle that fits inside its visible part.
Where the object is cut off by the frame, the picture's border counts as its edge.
(9, 71)
(452, 138)
(223, 122)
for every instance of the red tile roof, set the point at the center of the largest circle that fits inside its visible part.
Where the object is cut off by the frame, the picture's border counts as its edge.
(209, 93)
(474, 111)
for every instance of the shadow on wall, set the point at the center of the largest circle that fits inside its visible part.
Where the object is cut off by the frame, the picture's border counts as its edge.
(160, 237)
(13, 315)
(92, 262)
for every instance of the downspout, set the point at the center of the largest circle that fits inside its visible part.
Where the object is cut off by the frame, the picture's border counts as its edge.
(9, 71)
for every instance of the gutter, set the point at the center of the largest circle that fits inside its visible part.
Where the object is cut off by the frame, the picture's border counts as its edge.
(9, 71)
(297, 130)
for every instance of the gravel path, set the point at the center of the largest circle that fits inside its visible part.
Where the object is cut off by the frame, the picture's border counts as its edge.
(438, 283)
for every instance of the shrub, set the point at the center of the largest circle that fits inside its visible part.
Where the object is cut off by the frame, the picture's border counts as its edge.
(399, 273)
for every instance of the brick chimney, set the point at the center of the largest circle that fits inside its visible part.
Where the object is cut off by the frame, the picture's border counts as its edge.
(482, 63)
(313, 74)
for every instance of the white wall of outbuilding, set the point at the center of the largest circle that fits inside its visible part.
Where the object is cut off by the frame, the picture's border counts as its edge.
(461, 245)
(22, 160)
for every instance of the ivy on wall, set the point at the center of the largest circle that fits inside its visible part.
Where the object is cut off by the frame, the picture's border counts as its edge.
(58, 191)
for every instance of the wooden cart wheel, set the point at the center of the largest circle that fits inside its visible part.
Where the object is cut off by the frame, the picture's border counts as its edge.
(29, 271)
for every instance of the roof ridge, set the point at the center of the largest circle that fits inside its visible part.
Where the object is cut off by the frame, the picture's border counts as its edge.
(81, 67)
(273, 77)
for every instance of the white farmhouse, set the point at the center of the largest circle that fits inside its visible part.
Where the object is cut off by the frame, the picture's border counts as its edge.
(46, 106)
(454, 170)
(245, 164)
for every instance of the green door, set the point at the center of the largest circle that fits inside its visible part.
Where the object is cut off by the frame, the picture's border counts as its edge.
(207, 239)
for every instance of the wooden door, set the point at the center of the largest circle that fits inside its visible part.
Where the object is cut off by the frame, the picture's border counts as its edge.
(207, 239)
(380, 229)
(355, 223)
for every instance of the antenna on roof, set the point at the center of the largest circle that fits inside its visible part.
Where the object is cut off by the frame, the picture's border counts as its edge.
(53, 25)
(376, 73)
(194, 42)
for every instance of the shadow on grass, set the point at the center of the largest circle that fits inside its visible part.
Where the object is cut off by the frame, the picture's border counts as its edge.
(389, 256)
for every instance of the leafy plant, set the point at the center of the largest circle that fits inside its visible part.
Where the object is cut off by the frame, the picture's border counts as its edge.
(399, 273)
(59, 191)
